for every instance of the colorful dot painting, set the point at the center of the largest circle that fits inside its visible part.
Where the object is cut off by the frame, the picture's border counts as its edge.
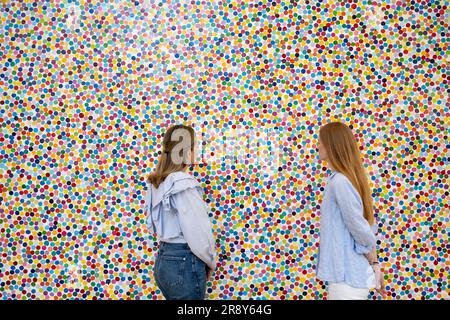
(89, 87)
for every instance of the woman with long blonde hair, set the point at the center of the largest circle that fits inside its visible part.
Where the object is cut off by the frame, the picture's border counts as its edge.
(177, 215)
(347, 257)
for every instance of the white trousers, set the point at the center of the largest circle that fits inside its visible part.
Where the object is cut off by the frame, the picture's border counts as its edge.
(342, 291)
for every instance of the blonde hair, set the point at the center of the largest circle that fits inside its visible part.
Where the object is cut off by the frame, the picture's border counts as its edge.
(343, 154)
(173, 149)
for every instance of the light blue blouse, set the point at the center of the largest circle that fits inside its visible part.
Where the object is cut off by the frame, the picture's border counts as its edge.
(345, 235)
(176, 213)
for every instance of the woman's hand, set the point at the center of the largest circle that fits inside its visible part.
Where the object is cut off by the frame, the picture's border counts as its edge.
(208, 273)
(379, 280)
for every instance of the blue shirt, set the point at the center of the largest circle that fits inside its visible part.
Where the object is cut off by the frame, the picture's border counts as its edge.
(176, 213)
(345, 235)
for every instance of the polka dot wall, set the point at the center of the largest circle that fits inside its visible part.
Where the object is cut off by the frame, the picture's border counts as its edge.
(88, 88)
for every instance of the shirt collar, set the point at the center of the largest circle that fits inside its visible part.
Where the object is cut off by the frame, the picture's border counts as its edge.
(172, 184)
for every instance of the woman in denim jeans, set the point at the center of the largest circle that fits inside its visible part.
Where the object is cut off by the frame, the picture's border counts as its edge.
(177, 214)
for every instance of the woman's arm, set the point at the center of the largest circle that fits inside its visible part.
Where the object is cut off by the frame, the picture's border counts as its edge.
(195, 225)
(351, 208)
(148, 209)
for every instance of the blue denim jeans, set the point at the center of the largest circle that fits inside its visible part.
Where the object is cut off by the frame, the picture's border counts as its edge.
(179, 274)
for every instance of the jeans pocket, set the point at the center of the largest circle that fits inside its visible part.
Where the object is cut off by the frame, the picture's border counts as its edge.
(171, 270)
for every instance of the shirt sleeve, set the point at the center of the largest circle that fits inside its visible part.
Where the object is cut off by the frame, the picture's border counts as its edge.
(148, 208)
(351, 207)
(195, 225)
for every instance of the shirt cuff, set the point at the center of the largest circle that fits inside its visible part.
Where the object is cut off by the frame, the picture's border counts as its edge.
(360, 249)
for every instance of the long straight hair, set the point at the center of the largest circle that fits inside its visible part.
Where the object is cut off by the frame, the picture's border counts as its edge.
(343, 154)
(174, 153)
